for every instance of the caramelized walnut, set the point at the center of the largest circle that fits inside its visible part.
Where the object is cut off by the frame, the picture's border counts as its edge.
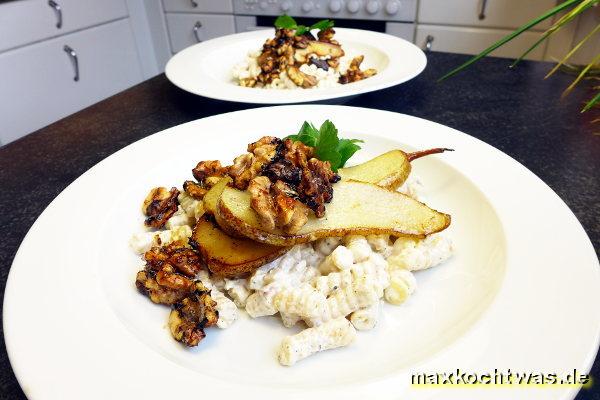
(146, 283)
(300, 78)
(206, 169)
(354, 73)
(176, 254)
(249, 165)
(316, 185)
(277, 205)
(194, 190)
(326, 35)
(159, 205)
(262, 202)
(191, 315)
(167, 277)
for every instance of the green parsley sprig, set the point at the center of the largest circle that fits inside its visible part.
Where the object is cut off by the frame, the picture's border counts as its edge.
(287, 22)
(328, 146)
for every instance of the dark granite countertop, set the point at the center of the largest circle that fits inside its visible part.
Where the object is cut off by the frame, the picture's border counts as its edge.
(514, 110)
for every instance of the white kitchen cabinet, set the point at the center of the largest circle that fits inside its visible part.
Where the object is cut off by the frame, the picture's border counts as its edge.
(403, 30)
(27, 21)
(474, 40)
(188, 29)
(495, 13)
(203, 6)
(38, 85)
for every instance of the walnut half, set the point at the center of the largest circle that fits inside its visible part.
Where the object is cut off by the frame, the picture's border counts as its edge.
(159, 205)
(276, 205)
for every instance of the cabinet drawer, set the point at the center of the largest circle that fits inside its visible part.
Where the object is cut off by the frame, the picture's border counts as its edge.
(38, 86)
(198, 6)
(498, 13)
(474, 40)
(27, 21)
(181, 28)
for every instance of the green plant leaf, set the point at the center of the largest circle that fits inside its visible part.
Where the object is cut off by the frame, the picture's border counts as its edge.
(581, 75)
(347, 148)
(328, 146)
(285, 22)
(511, 36)
(573, 51)
(593, 102)
(301, 30)
(322, 25)
(565, 19)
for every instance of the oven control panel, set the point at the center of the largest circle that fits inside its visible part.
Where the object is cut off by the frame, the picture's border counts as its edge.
(382, 10)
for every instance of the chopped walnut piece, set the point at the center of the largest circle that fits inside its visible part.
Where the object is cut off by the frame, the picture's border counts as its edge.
(190, 316)
(315, 188)
(167, 277)
(297, 152)
(300, 78)
(267, 143)
(147, 284)
(194, 190)
(159, 205)
(176, 254)
(248, 82)
(354, 73)
(206, 169)
(249, 165)
(241, 171)
(285, 171)
(326, 35)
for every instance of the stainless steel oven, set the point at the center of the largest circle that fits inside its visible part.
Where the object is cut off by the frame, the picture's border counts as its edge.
(396, 17)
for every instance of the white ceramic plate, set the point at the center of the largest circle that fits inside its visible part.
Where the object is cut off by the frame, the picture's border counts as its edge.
(520, 293)
(205, 68)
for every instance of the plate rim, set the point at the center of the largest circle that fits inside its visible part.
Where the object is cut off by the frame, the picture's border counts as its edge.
(9, 291)
(281, 97)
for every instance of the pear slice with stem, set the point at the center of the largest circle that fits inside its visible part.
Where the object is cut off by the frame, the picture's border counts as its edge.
(389, 170)
(357, 208)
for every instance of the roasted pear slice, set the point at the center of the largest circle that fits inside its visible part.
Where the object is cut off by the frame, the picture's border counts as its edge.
(211, 198)
(357, 208)
(230, 257)
(389, 170)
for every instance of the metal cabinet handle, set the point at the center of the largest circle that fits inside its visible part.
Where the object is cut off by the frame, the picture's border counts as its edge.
(74, 60)
(58, 12)
(197, 27)
(482, 9)
(194, 4)
(428, 42)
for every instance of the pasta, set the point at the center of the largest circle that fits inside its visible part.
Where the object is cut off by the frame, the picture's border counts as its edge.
(415, 254)
(336, 333)
(228, 311)
(402, 285)
(334, 286)
(366, 318)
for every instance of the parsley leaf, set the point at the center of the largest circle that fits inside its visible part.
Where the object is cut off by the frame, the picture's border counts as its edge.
(322, 25)
(347, 148)
(328, 146)
(286, 22)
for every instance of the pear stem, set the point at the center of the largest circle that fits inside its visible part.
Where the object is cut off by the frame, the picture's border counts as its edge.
(423, 153)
